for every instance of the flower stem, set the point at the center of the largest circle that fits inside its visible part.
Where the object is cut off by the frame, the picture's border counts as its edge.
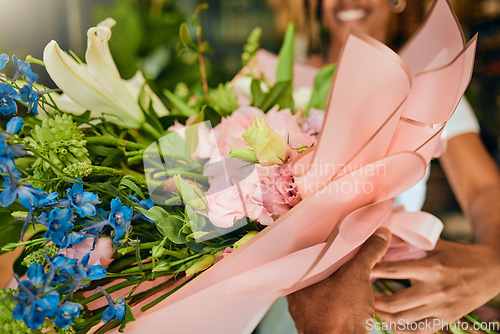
(162, 297)
(110, 141)
(146, 245)
(149, 129)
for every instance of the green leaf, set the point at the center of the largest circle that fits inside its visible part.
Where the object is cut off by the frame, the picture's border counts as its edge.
(191, 194)
(163, 265)
(184, 36)
(182, 108)
(129, 317)
(321, 88)
(205, 47)
(127, 182)
(171, 228)
(278, 92)
(83, 118)
(10, 228)
(156, 213)
(284, 69)
(196, 15)
(257, 95)
(192, 139)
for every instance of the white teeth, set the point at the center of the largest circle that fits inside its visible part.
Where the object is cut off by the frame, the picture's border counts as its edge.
(351, 14)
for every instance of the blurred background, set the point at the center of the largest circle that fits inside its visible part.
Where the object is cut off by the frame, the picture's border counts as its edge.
(146, 37)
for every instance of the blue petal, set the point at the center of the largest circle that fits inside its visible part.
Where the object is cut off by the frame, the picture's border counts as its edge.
(14, 125)
(135, 199)
(77, 188)
(18, 312)
(116, 205)
(108, 314)
(96, 272)
(27, 198)
(86, 209)
(90, 197)
(85, 260)
(35, 273)
(127, 213)
(4, 59)
(120, 309)
(119, 232)
(8, 196)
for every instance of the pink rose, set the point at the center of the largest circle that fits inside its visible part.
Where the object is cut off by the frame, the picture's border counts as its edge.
(100, 255)
(229, 131)
(314, 122)
(246, 198)
(284, 123)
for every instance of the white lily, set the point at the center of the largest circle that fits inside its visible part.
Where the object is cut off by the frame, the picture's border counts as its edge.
(97, 85)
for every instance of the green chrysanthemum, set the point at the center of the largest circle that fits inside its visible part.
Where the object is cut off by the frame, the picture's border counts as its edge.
(223, 99)
(60, 142)
(38, 256)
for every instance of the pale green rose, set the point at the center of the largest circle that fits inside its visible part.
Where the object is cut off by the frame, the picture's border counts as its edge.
(269, 147)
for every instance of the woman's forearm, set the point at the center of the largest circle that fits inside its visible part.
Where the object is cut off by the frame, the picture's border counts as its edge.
(475, 180)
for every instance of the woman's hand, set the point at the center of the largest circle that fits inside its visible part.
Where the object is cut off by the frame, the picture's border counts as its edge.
(452, 281)
(342, 303)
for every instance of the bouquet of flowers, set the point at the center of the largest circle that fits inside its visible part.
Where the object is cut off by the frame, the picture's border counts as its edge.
(134, 215)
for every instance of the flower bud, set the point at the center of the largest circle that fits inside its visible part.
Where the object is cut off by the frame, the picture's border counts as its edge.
(245, 239)
(201, 264)
(245, 154)
(269, 147)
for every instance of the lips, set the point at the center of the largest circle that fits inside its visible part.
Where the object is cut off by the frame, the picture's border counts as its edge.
(350, 15)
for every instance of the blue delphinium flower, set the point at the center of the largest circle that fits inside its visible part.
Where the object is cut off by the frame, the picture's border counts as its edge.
(82, 201)
(145, 204)
(95, 226)
(67, 311)
(4, 59)
(8, 95)
(85, 272)
(23, 69)
(64, 269)
(8, 151)
(59, 223)
(36, 300)
(73, 238)
(29, 96)
(90, 272)
(28, 195)
(114, 310)
(119, 218)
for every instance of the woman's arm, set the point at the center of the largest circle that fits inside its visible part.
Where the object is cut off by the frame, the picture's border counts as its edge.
(475, 180)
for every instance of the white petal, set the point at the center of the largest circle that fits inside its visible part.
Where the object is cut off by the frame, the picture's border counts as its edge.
(86, 90)
(101, 65)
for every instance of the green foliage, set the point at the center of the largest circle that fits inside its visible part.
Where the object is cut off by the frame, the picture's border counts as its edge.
(251, 46)
(223, 99)
(38, 256)
(146, 38)
(129, 317)
(284, 69)
(57, 143)
(10, 228)
(279, 94)
(321, 87)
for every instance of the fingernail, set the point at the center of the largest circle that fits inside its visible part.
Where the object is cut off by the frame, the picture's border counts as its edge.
(383, 233)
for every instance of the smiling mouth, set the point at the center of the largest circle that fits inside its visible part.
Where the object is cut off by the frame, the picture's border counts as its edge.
(350, 15)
